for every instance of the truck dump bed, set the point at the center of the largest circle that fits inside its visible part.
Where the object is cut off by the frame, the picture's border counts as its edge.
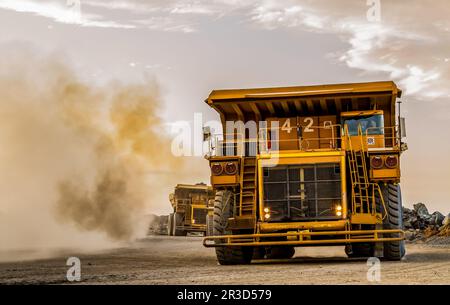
(258, 104)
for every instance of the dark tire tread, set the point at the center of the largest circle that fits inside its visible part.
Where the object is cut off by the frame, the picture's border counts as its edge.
(223, 205)
(393, 250)
(360, 250)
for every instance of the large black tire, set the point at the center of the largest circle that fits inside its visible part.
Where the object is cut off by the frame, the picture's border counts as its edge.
(209, 225)
(223, 209)
(360, 250)
(259, 253)
(178, 221)
(393, 250)
(170, 225)
(283, 252)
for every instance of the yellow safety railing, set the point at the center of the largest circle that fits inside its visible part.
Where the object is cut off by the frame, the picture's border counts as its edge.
(264, 140)
(391, 135)
(304, 238)
(270, 140)
(362, 189)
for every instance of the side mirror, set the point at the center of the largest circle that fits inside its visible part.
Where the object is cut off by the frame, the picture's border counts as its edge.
(402, 128)
(206, 133)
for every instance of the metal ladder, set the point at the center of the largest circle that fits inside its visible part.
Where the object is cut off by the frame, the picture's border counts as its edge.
(363, 191)
(248, 187)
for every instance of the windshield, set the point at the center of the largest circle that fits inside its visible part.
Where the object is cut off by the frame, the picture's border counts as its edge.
(370, 124)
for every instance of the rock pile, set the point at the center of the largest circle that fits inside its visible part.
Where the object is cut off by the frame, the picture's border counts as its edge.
(157, 224)
(421, 225)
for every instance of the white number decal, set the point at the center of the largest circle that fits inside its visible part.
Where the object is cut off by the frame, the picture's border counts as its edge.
(310, 122)
(287, 126)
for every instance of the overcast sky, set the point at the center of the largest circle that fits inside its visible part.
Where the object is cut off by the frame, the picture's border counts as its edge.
(193, 47)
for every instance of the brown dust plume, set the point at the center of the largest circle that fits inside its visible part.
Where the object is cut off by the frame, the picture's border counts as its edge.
(79, 163)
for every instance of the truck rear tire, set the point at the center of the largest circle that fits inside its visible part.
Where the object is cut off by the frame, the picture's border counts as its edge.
(178, 221)
(170, 225)
(284, 252)
(209, 225)
(361, 250)
(259, 253)
(393, 250)
(223, 209)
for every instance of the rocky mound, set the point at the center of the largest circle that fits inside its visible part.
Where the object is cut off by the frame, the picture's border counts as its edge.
(157, 224)
(421, 226)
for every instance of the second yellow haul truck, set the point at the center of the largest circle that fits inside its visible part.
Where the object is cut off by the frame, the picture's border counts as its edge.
(307, 166)
(191, 209)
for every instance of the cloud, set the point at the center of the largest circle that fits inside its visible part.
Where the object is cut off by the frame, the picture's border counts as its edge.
(272, 15)
(165, 24)
(68, 13)
(169, 16)
(411, 42)
(188, 7)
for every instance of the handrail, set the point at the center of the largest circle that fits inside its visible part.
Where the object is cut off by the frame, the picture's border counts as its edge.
(304, 238)
(262, 139)
(366, 185)
(333, 140)
(394, 132)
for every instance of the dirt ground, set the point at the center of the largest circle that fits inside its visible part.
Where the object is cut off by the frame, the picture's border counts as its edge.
(183, 260)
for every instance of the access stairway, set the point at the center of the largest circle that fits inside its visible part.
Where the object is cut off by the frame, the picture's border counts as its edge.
(364, 193)
(248, 187)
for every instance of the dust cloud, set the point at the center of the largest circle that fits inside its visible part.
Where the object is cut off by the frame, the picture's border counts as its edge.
(80, 164)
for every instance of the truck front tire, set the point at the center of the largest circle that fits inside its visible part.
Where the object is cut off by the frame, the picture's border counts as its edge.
(170, 225)
(209, 225)
(223, 209)
(178, 221)
(393, 250)
(284, 252)
(360, 250)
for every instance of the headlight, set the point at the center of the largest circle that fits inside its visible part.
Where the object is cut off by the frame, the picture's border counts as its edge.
(217, 169)
(391, 161)
(338, 210)
(376, 162)
(266, 213)
(231, 168)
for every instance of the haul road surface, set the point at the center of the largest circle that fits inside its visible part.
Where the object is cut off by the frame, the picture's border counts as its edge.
(183, 260)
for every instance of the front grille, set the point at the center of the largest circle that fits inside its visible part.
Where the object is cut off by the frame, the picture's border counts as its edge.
(302, 192)
(200, 216)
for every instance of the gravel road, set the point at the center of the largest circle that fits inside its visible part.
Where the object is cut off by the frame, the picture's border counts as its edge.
(183, 260)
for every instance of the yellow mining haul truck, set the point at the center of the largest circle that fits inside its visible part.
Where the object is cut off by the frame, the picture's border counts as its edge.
(307, 166)
(192, 207)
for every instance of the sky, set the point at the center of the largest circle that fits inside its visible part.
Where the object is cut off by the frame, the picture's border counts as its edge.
(192, 47)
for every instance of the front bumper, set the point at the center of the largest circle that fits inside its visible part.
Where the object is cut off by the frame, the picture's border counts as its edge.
(304, 238)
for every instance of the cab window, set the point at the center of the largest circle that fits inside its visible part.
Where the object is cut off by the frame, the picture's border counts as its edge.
(370, 124)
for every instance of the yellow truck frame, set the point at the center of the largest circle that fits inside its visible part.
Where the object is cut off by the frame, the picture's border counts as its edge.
(357, 127)
(191, 209)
